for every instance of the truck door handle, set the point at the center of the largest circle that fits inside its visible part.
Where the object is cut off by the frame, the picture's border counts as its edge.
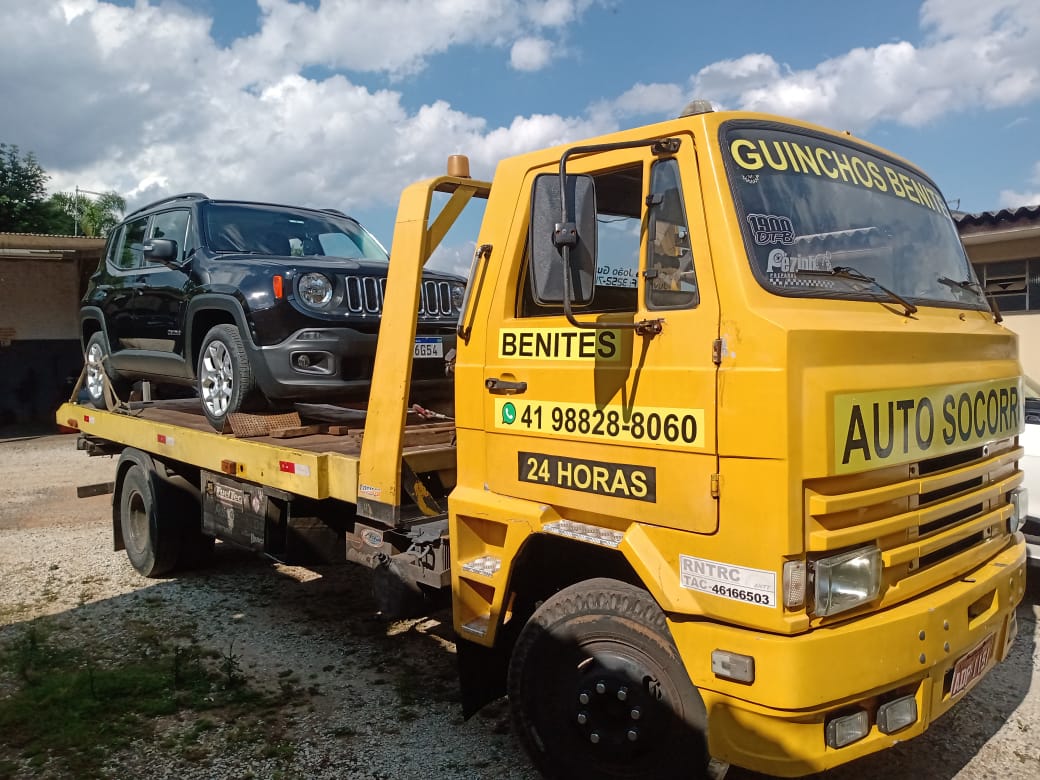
(498, 386)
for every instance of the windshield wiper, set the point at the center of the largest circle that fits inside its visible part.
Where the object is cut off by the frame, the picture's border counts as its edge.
(964, 284)
(971, 284)
(850, 273)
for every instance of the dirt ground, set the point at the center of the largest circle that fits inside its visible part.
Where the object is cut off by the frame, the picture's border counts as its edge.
(366, 699)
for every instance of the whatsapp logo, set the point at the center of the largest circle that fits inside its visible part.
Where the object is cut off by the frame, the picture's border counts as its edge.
(508, 413)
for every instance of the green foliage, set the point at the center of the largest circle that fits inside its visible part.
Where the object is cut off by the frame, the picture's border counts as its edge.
(22, 190)
(25, 207)
(73, 709)
(95, 215)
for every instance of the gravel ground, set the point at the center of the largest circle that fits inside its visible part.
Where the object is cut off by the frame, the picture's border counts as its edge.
(359, 698)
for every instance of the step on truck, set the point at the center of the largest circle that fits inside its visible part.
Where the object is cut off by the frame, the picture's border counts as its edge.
(733, 472)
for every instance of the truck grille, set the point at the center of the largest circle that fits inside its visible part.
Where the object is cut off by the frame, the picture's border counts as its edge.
(933, 520)
(365, 294)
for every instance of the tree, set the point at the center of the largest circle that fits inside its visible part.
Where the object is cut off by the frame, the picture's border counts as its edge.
(94, 216)
(22, 191)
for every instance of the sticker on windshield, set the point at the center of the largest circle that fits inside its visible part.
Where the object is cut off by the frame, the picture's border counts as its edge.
(769, 229)
(784, 269)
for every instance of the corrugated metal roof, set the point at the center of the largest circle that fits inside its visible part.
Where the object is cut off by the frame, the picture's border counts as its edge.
(1022, 215)
(53, 235)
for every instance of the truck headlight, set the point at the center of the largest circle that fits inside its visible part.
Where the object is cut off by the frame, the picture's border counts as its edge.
(315, 290)
(844, 581)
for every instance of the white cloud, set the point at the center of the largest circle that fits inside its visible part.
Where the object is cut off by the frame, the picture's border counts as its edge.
(652, 100)
(975, 55)
(1010, 199)
(530, 54)
(142, 99)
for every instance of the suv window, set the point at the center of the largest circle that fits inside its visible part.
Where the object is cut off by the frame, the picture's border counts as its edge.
(129, 254)
(172, 225)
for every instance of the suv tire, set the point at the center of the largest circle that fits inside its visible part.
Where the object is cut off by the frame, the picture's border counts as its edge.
(99, 373)
(226, 381)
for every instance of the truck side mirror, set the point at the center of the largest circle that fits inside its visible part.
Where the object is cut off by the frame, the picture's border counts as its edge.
(549, 235)
(161, 250)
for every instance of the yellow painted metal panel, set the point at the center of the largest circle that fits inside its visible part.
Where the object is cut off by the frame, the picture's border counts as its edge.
(283, 467)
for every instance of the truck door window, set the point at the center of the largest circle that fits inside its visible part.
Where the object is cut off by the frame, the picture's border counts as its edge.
(619, 198)
(671, 281)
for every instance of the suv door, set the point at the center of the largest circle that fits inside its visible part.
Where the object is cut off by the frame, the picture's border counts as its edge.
(124, 266)
(161, 289)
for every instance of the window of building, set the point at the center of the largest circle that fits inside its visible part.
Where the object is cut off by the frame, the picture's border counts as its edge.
(1014, 284)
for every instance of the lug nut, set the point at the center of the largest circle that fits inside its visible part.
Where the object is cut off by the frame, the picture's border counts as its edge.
(633, 735)
(594, 737)
(635, 713)
(583, 718)
(583, 698)
(622, 693)
(601, 688)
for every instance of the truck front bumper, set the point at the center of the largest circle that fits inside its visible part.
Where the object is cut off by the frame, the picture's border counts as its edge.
(777, 723)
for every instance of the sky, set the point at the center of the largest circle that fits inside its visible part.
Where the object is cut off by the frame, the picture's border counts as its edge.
(342, 103)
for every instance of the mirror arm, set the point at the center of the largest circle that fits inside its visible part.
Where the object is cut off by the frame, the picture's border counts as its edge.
(565, 235)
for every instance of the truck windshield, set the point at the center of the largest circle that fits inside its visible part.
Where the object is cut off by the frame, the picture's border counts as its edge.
(827, 219)
(284, 231)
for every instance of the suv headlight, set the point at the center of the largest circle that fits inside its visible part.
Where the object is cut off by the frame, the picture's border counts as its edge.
(315, 290)
(844, 581)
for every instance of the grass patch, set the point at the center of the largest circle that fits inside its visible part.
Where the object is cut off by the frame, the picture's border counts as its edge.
(69, 707)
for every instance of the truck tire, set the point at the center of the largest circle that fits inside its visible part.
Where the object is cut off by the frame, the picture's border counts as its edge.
(226, 381)
(151, 536)
(597, 688)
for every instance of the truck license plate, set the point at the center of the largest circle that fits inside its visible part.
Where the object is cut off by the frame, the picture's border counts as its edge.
(428, 347)
(970, 665)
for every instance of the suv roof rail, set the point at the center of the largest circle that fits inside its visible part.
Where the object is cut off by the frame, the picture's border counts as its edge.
(179, 196)
(337, 212)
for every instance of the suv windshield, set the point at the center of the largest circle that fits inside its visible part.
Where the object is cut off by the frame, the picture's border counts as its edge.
(273, 230)
(826, 219)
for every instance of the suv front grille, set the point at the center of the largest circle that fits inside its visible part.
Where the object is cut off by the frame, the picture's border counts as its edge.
(365, 294)
(933, 520)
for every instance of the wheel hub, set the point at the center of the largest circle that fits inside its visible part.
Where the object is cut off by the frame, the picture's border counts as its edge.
(216, 378)
(95, 371)
(617, 706)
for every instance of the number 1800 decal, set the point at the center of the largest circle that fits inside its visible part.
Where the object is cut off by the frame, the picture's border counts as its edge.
(681, 428)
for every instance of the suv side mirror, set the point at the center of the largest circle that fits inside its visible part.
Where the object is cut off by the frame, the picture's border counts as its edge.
(546, 264)
(162, 250)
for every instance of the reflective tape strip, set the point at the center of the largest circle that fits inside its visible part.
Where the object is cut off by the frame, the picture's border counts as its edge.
(300, 469)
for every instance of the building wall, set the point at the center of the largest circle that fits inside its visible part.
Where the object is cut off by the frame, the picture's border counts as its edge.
(1027, 326)
(39, 299)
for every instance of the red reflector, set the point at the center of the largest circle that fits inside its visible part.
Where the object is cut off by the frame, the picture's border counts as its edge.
(287, 466)
(276, 285)
(161, 438)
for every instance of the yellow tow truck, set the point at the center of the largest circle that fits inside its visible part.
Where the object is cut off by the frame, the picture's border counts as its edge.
(732, 473)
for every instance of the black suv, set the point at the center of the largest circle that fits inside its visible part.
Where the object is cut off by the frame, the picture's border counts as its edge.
(256, 304)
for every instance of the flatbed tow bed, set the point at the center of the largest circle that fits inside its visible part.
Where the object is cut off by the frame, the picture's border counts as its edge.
(318, 466)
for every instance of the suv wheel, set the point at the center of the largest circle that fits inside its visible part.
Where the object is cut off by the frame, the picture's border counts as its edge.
(226, 382)
(99, 372)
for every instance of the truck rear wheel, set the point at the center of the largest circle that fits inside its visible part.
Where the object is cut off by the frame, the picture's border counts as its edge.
(151, 536)
(597, 688)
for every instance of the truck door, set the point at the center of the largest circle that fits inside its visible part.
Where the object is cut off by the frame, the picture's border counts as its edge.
(607, 423)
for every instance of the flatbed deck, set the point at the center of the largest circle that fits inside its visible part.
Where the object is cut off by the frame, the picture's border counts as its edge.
(317, 465)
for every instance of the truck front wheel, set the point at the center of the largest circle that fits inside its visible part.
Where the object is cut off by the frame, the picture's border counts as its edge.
(151, 536)
(598, 690)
